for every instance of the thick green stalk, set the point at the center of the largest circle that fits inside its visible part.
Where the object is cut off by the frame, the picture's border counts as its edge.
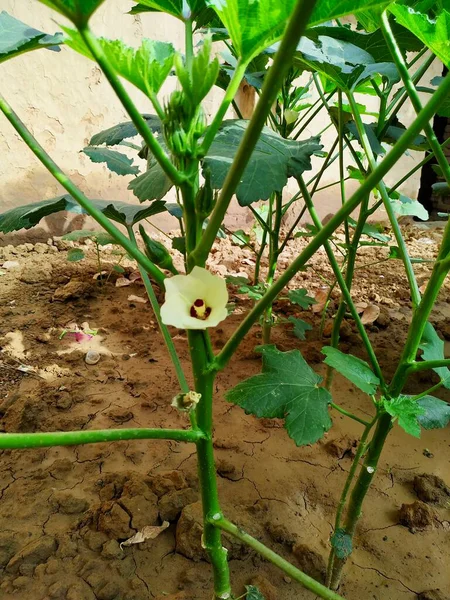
(77, 194)
(343, 499)
(371, 182)
(97, 52)
(212, 539)
(184, 386)
(75, 438)
(361, 488)
(281, 64)
(347, 298)
(308, 582)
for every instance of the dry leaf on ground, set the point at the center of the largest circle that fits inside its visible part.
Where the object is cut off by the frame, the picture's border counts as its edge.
(150, 532)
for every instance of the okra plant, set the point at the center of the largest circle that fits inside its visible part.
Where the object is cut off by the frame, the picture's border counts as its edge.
(208, 163)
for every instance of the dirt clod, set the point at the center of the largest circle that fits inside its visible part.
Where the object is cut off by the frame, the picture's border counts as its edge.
(69, 504)
(36, 274)
(33, 554)
(417, 516)
(432, 595)
(310, 561)
(71, 291)
(343, 446)
(432, 489)
(115, 521)
(167, 481)
(170, 505)
(268, 590)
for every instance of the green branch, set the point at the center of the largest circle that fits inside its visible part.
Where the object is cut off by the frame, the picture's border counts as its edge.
(281, 64)
(74, 438)
(97, 52)
(308, 582)
(426, 365)
(77, 194)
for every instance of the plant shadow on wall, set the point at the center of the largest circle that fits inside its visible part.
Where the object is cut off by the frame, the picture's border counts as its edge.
(209, 163)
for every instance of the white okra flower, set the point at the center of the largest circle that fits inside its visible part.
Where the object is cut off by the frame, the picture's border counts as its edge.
(195, 301)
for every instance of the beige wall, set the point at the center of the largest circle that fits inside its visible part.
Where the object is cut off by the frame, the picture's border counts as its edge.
(64, 99)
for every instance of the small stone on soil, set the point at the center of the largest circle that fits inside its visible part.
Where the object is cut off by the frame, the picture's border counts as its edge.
(432, 595)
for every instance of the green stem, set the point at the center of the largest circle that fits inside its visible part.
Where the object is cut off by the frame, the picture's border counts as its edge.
(413, 95)
(77, 194)
(370, 182)
(259, 256)
(429, 390)
(349, 414)
(343, 499)
(348, 301)
(281, 64)
(97, 52)
(361, 488)
(341, 164)
(75, 438)
(308, 582)
(230, 93)
(415, 293)
(273, 258)
(212, 539)
(418, 167)
(426, 365)
(184, 386)
(189, 44)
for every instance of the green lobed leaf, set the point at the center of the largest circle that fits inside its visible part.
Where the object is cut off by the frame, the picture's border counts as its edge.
(273, 161)
(286, 389)
(75, 255)
(253, 26)
(179, 243)
(437, 413)
(301, 298)
(77, 11)
(253, 593)
(115, 161)
(352, 368)
(406, 410)
(180, 9)
(151, 185)
(100, 237)
(240, 238)
(433, 31)
(29, 215)
(433, 349)
(404, 206)
(129, 214)
(342, 543)
(200, 78)
(300, 327)
(117, 133)
(146, 67)
(17, 38)
(373, 43)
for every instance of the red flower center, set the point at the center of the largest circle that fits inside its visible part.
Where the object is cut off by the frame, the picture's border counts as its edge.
(199, 310)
